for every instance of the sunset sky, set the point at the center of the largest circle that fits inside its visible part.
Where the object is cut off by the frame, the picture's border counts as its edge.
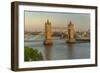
(35, 21)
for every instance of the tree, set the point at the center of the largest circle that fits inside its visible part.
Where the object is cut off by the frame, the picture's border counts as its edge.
(31, 54)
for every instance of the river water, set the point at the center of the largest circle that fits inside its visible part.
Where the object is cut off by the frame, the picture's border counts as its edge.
(60, 50)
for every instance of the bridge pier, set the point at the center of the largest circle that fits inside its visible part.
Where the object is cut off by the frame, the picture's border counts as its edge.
(71, 33)
(48, 33)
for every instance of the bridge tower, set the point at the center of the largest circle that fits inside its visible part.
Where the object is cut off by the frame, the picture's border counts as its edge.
(71, 33)
(48, 33)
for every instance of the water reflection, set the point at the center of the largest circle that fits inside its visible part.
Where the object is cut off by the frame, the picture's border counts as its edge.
(71, 50)
(61, 51)
(48, 50)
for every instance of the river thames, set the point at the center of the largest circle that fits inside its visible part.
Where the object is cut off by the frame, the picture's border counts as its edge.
(60, 50)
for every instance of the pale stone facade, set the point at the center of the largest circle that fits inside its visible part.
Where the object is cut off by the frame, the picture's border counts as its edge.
(48, 33)
(71, 33)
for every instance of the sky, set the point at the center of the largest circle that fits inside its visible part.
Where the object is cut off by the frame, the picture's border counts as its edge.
(35, 21)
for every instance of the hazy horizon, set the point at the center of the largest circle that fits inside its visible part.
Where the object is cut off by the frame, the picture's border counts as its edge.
(35, 21)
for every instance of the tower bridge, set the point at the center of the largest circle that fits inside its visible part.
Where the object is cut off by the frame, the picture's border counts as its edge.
(68, 33)
(48, 32)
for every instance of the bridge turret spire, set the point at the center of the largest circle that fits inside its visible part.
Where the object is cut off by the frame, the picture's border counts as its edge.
(48, 33)
(71, 33)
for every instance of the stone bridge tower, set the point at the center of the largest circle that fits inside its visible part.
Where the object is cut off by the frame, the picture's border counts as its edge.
(48, 33)
(71, 33)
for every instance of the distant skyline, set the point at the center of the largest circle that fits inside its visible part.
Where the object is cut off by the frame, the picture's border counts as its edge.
(35, 21)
